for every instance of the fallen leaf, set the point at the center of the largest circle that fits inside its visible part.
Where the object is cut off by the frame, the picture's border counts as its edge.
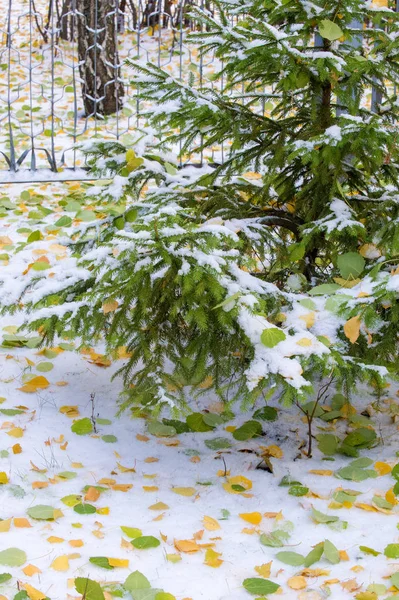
(352, 329)
(61, 563)
(210, 524)
(298, 582)
(212, 558)
(31, 570)
(21, 522)
(33, 593)
(254, 518)
(186, 546)
(184, 491)
(264, 570)
(121, 563)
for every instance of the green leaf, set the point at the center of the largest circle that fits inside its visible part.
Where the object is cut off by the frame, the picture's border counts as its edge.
(320, 517)
(272, 336)
(101, 561)
(382, 503)
(5, 577)
(291, 558)
(395, 580)
(218, 443)
(350, 265)
(275, 539)
(145, 542)
(267, 413)
(84, 509)
(247, 431)
(395, 472)
(330, 30)
(41, 512)
(44, 367)
(35, 236)
(11, 412)
(392, 551)
(360, 438)
(257, 586)
(325, 289)
(91, 590)
(213, 420)
(160, 430)
(131, 215)
(67, 474)
(196, 422)
(82, 426)
(314, 555)
(368, 550)
(64, 221)
(298, 490)
(131, 532)
(71, 500)
(331, 552)
(136, 581)
(180, 426)
(109, 439)
(12, 557)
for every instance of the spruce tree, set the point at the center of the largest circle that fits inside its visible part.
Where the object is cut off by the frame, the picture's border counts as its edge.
(277, 268)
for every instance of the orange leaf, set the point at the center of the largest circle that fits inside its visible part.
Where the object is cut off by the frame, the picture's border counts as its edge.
(186, 546)
(21, 522)
(92, 494)
(31, 570)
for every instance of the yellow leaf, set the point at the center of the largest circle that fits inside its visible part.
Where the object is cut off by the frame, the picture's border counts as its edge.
(366, 507)
(103, 511)
(322, 472)
(150, 488)
(33, 593)
(122, 563)
(5, 525)
(159, 506)
(21, 522)
(264, 570)
(366, 596)
(305, 342)
(34, 384)
(70, 411)
(142, 438)
(237, 480)
(315, 572)
(352, 329)
(184, 491)
(212, 558)
(186, 546)
(16, 432)
(151, 459)
(252, 175)
(273, 451)
(298, 582)
(210, 524)
(125, 469)
(254, 518)
(31, 570)
(309, 319)
(173, 558)
(76, 543)
(3, 477)
(61, 563)
(58, 513)
(122, 487)
(391, 497)
(382, 468)
(55, 540)
(343, 555)
(110, 306)
(17, 449)
(370, 250)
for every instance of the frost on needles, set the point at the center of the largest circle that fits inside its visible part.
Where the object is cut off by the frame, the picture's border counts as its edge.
(268, 272)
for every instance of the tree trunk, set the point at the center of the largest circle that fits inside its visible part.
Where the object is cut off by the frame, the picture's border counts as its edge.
(66, 21)
(99, 68)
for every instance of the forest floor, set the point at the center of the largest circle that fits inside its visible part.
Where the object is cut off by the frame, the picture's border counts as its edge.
(191, 512)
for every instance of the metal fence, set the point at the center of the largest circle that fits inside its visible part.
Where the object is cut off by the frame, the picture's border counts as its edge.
(62, 68)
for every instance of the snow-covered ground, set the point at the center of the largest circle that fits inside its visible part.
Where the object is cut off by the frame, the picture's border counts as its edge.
(177, 489)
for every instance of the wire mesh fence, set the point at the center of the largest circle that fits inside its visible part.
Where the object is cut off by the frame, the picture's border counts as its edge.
(63, 79)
